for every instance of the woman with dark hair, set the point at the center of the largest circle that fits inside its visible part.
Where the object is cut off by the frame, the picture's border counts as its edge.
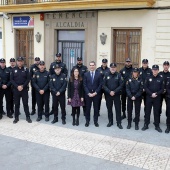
(75, 94)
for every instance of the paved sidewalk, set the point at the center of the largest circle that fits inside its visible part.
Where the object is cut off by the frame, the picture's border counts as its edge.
(46, 146)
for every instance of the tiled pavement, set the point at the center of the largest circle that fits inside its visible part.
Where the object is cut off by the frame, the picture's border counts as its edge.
(123, 149)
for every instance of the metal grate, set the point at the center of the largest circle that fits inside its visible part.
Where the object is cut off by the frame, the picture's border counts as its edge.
(127, 44)
(25, 45)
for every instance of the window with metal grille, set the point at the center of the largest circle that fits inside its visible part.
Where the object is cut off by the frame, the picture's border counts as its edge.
(127, 44)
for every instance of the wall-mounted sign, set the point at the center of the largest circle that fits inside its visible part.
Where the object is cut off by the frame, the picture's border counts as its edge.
(23, 21)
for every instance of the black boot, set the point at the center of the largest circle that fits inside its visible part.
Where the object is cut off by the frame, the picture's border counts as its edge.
(167, 129)
(47, 118)
(38, 119)
(158, 129)
(136, 126)
(129, 125)
(33, 112)
(63, 121)
(87, 124)
(119, 126)
(16, 120)
(55, 120)
(77, 120)
(145, 127)
(123, 116)
(110, 124)
(28, 120)
(74, 123)
(10, 116)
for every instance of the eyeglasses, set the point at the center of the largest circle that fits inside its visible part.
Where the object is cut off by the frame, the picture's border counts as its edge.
(91, 65)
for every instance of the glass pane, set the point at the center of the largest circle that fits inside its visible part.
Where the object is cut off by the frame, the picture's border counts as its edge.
(0, 35)
(71, 35)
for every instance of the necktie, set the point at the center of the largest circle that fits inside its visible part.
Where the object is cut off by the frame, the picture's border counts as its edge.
(92, 77)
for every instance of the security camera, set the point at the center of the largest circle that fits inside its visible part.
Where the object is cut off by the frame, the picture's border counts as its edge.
(5, 16)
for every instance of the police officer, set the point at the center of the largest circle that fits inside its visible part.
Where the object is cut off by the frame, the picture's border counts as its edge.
(103, 70)
(58, 84)
(168, 106)
(40, 82)
(5, 88)
(112, 86)
(134, 89)
(154, 87)
(33, 69)
(20, 79)
(82, 70)
(165, 74)
(63, 67)
(144, 71)
(125, 73)
(60, 63)
(12, 65)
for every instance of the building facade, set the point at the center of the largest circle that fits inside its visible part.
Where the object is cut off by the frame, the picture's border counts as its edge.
(93, 30)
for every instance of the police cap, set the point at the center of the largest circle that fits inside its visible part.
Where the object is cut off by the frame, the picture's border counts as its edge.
(112, 65)
(58, 55)
(2, 60)
(155, 67)
(12, 60)
(104, 60)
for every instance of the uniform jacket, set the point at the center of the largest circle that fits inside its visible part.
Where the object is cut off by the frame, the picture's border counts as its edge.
(61, 64)
(70, 89)
(154, 85)
(145, 73)
(5, 77)
(113, 82)
(103, 71)
(40, 80)
(134, 87)
(82, 69)
(58, 83)
(20, 76)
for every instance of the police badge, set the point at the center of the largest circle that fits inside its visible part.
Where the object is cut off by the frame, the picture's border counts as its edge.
(108, 77)
(150, 79)
(53, 79)
(15, 71)
(123, 72)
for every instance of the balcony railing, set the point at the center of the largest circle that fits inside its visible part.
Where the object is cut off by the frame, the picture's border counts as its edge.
(13, 2)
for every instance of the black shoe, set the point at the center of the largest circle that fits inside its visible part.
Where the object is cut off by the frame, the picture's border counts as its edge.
(87, 124)
(119, 126)
(38, 119)
(96, 124)
(46, 119)
(123, 116)
(136, 127)
(55, 120)
(77, 122)
(158, 129)
(74, 123)
(16, 120)
(109, 124)
(63, 122)
(51, 113)
(28, 120)
(1, 116)
(10, 116)
(33, 113)
(145, 127)
(3, 113)
(134, 120)
(167, 129)
(129, 126)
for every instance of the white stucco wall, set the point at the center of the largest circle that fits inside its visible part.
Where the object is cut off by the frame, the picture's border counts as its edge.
(9, 42)
(146, 20)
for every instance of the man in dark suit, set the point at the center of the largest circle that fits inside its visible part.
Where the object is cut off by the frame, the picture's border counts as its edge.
(92, 82)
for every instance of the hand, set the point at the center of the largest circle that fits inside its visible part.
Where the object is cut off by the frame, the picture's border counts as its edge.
(4, 86)
(154, 95)
(112, 93)
(58, 93)
(41, 91)
(94, 94)
(90, 95)
(82, 99)
(20, 88)
(69, 99)
(133, 98)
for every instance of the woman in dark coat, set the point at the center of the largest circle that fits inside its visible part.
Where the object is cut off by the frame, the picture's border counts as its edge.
(75, 94)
